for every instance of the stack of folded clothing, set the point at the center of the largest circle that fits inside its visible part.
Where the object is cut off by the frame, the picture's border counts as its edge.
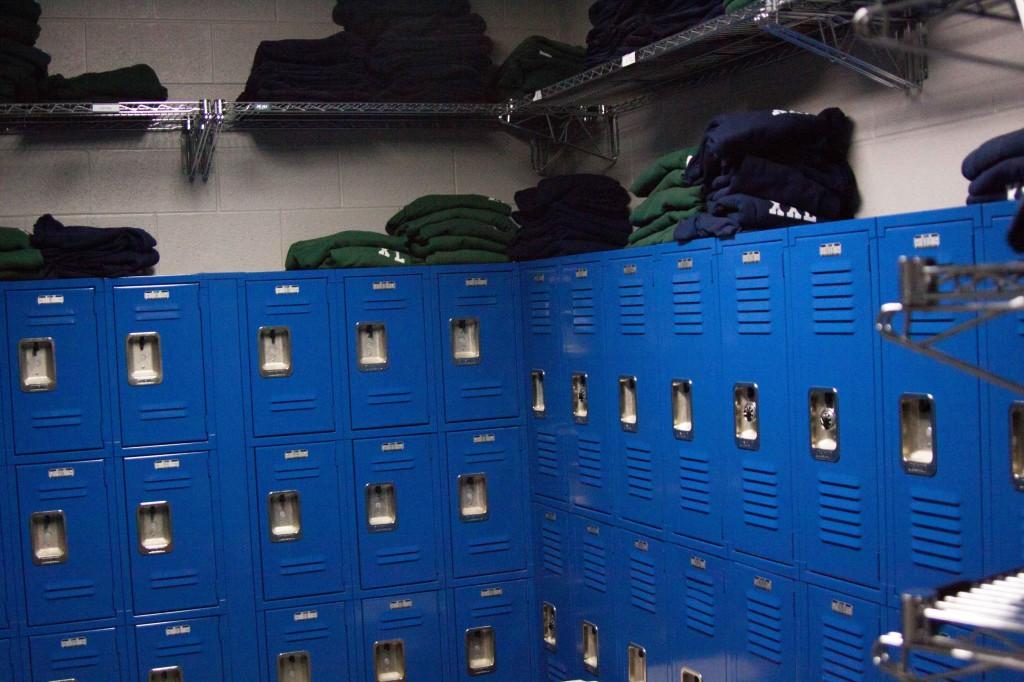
(448, 229)
(73, 251)
(137, 83)
(668, 199)
(331, 69)
(536, 63)
(768, 169)
(22, 66)
(571, 214)
(370, 18)
(731, 6)
(996, 169)
(349, 249)
(18, 260)
(621, 27)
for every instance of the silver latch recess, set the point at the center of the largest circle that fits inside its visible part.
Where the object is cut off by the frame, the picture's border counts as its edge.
(389, 661)
(473, 497)
(823, 409)
(294, 666)
(637, 666)
(1017, 444)
(144, 359)
(917, 434)
(284, 510)
(49, 538)
(481, 651)
(591, 648)
(171, 674)
(537, 392)
(580, 398)
(381, 507)
(372, 346)
(275, 350)
(746, 416)
(153, 526)
(628, 409)
(549, 625)
(465, 332)
(37, 359)
(682, 409)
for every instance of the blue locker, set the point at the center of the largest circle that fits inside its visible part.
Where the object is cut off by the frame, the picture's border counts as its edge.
(171, 532)
(930, 415)
(755, 390)
(545, 380)
(290, 358)
(840, 633)
(485, 493)
(88, 656)
(480, 345)
(67, 544)
(4, 592)
(395, 496)
(698, 628)
(640, 473)
(6, 661)
(160, 363)
(593, 592)
(554, 623)
(309, 644)
(764, 616)
(302, 542)
(491, 632)
(402, 638)
(180, 650)
(584, 325)
(833, 397)
(53, 359)
(689, 359)
(644, 605)
(388, 351)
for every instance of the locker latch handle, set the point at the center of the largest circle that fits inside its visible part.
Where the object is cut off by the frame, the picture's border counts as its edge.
(275, 352)
(537, 391)
(473, 505)
(37, 359)
(465, 339)
(171, 674)
(917, 434)
(481, 651)
(389, 661)
(580, 398)
(823, 415)
(746, 416)
(637, 663)
(49, 533)
(690, 675)
(591, 648)
(153, 528)
(682, 409)
(549, 625)
(284, 509)
(629, 415)
(294, 666)
(144, 359)
(381, 507)
(372, 347)
(1017, 444)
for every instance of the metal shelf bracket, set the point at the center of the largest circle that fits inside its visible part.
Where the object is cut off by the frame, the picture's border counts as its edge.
(199, 139)
(591, 131)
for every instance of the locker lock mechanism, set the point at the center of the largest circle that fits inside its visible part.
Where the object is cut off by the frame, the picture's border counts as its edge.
(275, 351)
(172, 674)
(537, 391)
(682, 409)
(628, 412)
(917, 434)
(580, 399)
(284, 510)
(473, 497)
(38, 363)
(153, 526)
(144, 359)
(372, 346)
(382, 507)
(465, 340)
(49, 538)
(591, 648)
(481, 651)
(1017, 444)
(746, 416)
(549, 624)
(294, 666)
(690, 675)
(637, 663)
(389, 661)
(823, 408)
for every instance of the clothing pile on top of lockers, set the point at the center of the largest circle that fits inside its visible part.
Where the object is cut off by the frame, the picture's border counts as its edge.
(996, 169)
(668, 199)
(71, 251)
(350, 249)
(622, 27)
(766, 169)
(536, 63)
(445, 229)
(18, 260)
(571, 214)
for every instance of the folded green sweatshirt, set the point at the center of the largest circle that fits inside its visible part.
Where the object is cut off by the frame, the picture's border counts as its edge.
(737, 5)
(311, 253)
(666, 221)
(665, 201)
(673, 180)
(25, 260)
(368, 257)
(461, 228)
(13, 239)
(492, 219)
(653, 176)
(465, 257)
(665, 236)
(538, 62)
(447, 243)
(435, 203)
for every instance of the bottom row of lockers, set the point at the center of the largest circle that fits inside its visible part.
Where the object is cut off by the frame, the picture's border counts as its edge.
(467, 633)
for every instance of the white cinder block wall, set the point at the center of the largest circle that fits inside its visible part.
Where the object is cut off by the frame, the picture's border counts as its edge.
(268, 191)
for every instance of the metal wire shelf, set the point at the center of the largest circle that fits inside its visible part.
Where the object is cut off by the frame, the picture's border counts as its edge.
(128, 116)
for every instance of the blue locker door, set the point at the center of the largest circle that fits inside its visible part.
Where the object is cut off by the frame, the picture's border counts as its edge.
(301, 540)
(698, 628)
(555, 625)
(840, 633)
(88, 656)
(54, 367)
(387, 363)
(309, 644)
(486, 492)
(690, 373)
(642, 601)
(394, 493)
(491, 632)
(161, 370)
(544, 379)
(402, 638)
(833, 398)
(171, 532)
(591, 408)
(764, 619)
(480, 346)
(4, 617)
(596, 614)
(180, 650)
(755, 391)
(640, 474)
(6, 661)
(290, 357)
(66, 544)
(935, 524)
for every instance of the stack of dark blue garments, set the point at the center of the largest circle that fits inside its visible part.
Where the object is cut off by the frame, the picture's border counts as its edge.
(22, 66)
(423, 50)
(622, 26)
(73, 251)
(331, 69)
(768, 169)
(571, 214)
(996, 169)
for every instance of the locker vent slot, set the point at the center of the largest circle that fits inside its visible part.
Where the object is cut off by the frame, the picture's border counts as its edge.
(689, 675)
(924, 325)
(547, 454)
(473, 497)
(595, 565)
(285, 511)
(465, 332)
(591, 648)
(753, 304)
(917, 434)
(49, 538)
(552, 547)
(481, 651)
(1017, 444)
(632, 309)
(580, 398)
(38, 363)
(590, 456)
(832, 298)
(843, 646)
(275, 344)
(699, 597)
(695, 482)
(823, 414)
(153, 525)
(537, 388)
(746, 416)
(372, 346)
(640, 476)
(760, 495)
(629, 414)
(643, 583)
(540, 322)
(144, 359)
(936, 534)
(584, 318)
(637, 665)
(172, 674)
(682, 409)
(687, 304)
(389, 661)
(294, 666)
(381, 507)
(549, 625)
(841, 512)
(764, 628)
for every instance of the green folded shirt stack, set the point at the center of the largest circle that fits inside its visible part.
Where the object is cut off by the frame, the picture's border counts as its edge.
(736, 5)
(536, 63)
(669, 199)
(18, 260)
(350, 249)
(448, 229)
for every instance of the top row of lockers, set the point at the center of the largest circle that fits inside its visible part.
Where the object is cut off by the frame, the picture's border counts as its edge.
(130, 364)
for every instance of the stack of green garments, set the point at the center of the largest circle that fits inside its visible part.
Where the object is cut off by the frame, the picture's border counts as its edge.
(536, 63)
(736, 5)
(668, 199)
(18, 260)
(350, 249)
(455, 229)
